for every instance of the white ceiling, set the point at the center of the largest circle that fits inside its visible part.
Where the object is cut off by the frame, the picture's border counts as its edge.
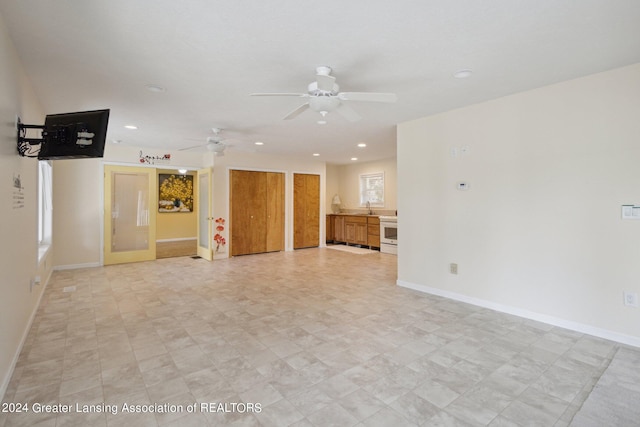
(210, 55)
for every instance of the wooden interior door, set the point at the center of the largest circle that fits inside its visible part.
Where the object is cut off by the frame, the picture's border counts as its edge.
(257, 212)
(306, 210)
(275, 211)
(244, 205)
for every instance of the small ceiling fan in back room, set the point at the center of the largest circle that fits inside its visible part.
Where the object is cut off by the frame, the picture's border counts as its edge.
(324, 96)
(214, 143)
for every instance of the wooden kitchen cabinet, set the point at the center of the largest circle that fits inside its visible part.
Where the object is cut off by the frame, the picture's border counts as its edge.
(373, 232)
(329, 223)
(338, 228)
(355, 230)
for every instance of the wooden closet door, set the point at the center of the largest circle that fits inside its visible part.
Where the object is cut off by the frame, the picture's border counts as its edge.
(306, 207)
(248, 212)
(275, 212)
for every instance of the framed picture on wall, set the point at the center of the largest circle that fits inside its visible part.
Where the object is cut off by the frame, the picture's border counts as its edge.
(175, 193)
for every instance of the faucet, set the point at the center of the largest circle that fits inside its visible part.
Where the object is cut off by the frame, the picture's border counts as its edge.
(369, 211)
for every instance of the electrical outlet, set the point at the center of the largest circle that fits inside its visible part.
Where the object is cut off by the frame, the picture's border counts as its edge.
(453, 268)
(630, 298)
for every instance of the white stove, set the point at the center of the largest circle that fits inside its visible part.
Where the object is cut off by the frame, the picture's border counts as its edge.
(389, 234)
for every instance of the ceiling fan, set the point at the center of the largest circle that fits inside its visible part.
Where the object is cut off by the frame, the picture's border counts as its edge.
(214, 143)
(324, 96)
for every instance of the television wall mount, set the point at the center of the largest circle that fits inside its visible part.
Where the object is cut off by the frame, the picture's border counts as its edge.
(28, 147)
(69, 134)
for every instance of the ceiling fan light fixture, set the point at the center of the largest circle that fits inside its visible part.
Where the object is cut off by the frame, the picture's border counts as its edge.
(155, 88)
(463, 74)
(323, 103)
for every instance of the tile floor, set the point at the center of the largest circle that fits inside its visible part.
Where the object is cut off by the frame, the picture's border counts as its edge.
(310, 338)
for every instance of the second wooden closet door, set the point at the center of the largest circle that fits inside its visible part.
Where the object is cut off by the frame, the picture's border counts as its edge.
(306, 210)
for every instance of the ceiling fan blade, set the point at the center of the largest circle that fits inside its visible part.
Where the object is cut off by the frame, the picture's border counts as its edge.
(191, 148)
(325, 82)
(295, 113)
(348, 113)
(279, 94)
(368, 96)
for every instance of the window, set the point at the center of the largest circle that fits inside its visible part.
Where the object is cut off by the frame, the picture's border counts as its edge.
(372, 189)
(45, 207)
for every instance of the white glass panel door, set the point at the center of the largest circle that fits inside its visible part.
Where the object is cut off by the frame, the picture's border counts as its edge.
(205, 219)
(130, 212)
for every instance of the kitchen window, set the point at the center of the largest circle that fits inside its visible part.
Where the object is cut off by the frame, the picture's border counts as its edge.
(372, 189)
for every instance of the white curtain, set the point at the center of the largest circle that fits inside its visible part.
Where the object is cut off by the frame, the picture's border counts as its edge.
(45, 211)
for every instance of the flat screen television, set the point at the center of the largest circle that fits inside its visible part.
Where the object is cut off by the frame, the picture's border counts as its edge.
(74, 135)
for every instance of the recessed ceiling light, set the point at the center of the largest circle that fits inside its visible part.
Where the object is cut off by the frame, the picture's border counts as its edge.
(316, 154)
(362, 145)
(354, 158)
(462, 74)
(155, 88)
(131, 127)
(259, 143)
(322, 122)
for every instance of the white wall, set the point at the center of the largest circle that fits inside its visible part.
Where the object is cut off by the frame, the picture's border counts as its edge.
(539, 232)
(18, 234)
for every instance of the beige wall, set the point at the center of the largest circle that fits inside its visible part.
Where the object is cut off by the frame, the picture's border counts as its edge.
(78, 192)
(333, 185)
(77, 215)
(18, 234)
(345, 181)
(539, 232)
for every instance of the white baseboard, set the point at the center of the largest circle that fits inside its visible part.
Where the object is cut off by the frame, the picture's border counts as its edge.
(77, 266)
(551, 320)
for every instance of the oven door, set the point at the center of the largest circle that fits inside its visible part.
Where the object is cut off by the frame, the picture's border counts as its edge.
(389, 233)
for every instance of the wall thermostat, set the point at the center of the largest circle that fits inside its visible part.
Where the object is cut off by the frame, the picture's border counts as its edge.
(462, 185)
(630, 211)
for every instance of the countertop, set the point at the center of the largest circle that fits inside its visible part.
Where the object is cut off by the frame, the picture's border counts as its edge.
(355, 214)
